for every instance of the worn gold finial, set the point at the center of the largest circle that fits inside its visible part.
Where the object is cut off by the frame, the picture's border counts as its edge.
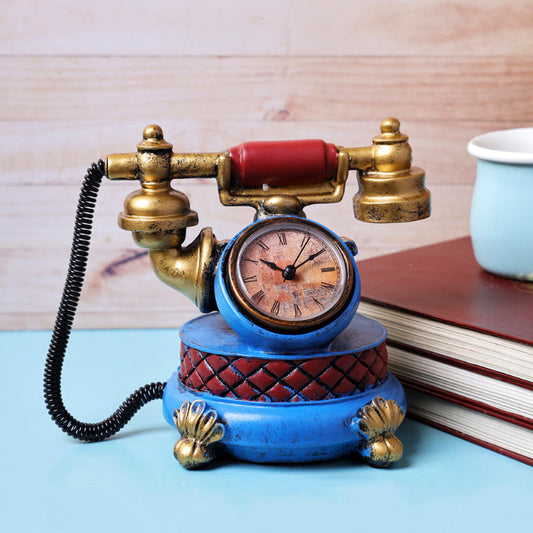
(390, 132)
(390, 189)
(198, 431)
(378, 421)
(153, 139)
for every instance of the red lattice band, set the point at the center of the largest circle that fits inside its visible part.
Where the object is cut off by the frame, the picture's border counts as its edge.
(280, 380)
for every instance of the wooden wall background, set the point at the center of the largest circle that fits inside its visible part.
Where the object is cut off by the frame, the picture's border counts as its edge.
(80, 80)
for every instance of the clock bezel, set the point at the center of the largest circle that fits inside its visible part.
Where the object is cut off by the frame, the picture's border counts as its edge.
(282, 325)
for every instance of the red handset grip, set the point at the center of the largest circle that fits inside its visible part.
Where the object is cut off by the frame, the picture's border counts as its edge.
(256, 163)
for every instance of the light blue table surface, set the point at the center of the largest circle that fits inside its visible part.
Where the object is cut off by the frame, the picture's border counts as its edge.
(132, 482)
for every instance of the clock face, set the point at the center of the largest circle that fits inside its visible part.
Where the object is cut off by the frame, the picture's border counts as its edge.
(290, 274)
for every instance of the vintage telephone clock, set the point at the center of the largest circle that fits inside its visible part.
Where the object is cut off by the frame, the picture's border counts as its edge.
(279, 367)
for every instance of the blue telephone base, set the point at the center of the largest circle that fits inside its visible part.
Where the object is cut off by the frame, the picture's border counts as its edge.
(298, 430)
(289, 433)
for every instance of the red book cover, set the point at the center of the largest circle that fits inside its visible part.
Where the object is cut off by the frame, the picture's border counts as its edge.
(443, 282)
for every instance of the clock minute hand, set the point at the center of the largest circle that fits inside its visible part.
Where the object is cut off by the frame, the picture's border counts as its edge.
(310, 258)
(270, 264)
(289, 272)
(304, 244)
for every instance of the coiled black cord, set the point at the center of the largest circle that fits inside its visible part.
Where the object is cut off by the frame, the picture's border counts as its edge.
(63, 326)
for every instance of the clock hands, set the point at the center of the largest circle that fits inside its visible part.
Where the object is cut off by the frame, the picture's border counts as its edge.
(289, 272)
(311, 257)
(304, 244)
(270, 264)
(291, 269)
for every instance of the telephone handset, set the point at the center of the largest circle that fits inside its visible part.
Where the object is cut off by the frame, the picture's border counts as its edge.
(279, 367)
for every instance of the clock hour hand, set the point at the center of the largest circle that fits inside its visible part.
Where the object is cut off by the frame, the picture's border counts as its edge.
(271, 265)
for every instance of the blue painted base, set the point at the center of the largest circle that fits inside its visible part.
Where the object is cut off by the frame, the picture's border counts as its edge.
(304, 428)
(286, 432)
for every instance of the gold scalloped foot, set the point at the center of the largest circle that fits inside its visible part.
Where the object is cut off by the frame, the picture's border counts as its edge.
(378, 421)
(198, 431)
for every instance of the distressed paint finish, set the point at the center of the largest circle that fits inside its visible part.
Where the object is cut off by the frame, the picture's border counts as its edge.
(313, 429)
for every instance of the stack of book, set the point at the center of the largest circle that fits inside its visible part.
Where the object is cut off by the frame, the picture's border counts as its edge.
(460, 340)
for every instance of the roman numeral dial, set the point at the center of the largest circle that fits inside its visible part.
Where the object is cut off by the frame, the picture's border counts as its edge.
(289, 274)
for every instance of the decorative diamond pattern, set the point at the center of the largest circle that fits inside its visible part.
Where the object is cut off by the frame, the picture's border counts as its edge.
(276, 380)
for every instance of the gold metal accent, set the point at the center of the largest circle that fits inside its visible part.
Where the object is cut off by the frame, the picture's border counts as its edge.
(390, 190)
(199, 431)
(190, 269)
(232, 193)
(158, 215)
(378, 421)
(282, 204)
